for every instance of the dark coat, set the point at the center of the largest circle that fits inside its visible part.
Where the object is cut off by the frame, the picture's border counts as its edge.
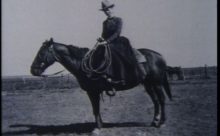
(112, 29)
(122, 53)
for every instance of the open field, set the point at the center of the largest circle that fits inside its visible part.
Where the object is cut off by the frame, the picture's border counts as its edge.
(67, 111)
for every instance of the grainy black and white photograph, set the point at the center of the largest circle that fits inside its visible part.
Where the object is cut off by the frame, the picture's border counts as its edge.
(109, 68)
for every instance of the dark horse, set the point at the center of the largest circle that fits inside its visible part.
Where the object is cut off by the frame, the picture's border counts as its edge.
(71, 58)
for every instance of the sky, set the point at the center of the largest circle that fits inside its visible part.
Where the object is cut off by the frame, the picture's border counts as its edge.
(183, 31)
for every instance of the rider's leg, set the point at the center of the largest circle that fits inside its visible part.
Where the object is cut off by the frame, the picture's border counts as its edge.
(141, 61)
(142, 70)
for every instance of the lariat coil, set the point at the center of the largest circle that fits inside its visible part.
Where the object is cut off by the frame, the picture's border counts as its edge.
(104, 65)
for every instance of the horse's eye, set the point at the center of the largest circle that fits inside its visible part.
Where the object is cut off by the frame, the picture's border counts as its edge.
(42, 64)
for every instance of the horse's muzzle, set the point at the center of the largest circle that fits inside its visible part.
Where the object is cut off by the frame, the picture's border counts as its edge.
(36, 72)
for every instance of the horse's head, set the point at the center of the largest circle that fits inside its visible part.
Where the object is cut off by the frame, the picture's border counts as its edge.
(43, 59)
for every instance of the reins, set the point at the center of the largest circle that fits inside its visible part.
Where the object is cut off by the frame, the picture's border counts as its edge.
(56, 73)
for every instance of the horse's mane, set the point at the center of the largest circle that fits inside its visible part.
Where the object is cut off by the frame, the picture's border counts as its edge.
(77, 52)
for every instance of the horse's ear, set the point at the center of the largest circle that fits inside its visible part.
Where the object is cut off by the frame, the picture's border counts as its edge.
(51, 39)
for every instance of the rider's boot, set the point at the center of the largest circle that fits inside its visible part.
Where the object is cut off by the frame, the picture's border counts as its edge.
(111, 92)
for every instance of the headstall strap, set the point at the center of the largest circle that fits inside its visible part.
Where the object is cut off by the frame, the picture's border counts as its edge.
(51, 48)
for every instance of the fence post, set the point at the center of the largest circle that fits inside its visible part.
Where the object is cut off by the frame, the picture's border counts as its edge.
(24, 80)
(200, 72)
(206, 72)
(44, 83)
(182, 73)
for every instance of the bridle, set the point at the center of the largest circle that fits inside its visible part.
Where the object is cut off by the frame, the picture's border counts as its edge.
(53, 74)
(51, 50)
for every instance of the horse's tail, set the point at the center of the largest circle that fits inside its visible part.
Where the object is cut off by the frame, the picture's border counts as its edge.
(167, 87)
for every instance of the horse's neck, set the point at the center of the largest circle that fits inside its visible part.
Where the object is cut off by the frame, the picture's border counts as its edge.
(70, 57)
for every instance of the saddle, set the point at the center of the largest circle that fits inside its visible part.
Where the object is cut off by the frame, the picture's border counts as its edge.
(116, 61)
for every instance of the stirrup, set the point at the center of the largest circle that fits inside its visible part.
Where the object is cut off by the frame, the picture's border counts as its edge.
(113, 82)
(113, 92)
(109, 80)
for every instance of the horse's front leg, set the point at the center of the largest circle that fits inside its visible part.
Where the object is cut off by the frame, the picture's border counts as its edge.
(95, 100)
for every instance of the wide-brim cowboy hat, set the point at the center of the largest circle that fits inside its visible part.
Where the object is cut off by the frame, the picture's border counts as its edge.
(106, 5)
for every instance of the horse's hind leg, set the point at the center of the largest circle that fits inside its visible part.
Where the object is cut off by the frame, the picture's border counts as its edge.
(150, 90)
(167, 88)
(161, 98)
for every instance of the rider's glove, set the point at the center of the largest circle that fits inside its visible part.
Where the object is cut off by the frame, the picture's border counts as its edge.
(100, 39)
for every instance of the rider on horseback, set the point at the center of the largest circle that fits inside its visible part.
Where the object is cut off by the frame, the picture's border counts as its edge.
(111, 35)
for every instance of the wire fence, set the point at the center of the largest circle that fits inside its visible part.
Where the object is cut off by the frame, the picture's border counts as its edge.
(36, 83)
(205, 72)
(69, 81)
(178, 73)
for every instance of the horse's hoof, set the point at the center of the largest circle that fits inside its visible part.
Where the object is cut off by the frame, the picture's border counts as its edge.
(162, 120)
(95, 132)
(154, 124)
(162, 125)
(99, 124)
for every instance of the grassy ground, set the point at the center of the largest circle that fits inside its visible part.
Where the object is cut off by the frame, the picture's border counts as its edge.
(68, 112)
